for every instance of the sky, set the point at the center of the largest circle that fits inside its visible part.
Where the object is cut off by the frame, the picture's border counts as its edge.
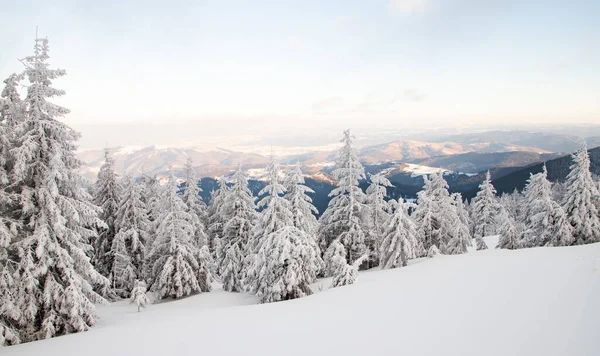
(217, 68)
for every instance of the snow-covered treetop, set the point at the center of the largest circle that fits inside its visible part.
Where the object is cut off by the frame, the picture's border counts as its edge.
(349, 171)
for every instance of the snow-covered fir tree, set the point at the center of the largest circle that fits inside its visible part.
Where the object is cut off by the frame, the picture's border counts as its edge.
(152, 193)
(581, 199)
(55, 292)
(401, 239)
(216, 217)
(195, 204)
(173, 259)
(461, 237)
(107, 194)
(241, 213)
(303, 210)
(342, 272)
(129, 245)
(287, 264)
(435, 214)
(543, 214)
(346, 216)
(138, 295)
(508, 231)
(379, 210)
(484, 209)
(276, 215)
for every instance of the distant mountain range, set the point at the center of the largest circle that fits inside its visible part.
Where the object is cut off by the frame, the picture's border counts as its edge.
(468, 157)
(510, 157)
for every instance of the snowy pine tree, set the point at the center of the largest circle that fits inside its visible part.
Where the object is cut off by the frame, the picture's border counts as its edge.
(129, 245)
(276, 215)
(152, 193)
(238, 206)
(346, 217)
(461, 237)
(303, 211)
(484, 209)
(435, 214)
(196, 206)
(216, 217)
(286, 264)
(55, 291)
(173, 259)
(506, 228)
(107, 193)
(379, 214)
(543, 214)
(580, 200)
(401, 239)
(138, 295)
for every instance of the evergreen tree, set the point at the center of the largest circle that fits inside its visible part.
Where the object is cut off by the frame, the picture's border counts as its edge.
(303, 210)
(379, 213)
(216, 217)
(461, 238)
(484, 209)
(543, 214)
(138, 295)
(401, 239)
(55, 291)
(287, 263)
(240, 209)
(435, 214)
(151, 196)
(342, 272)
(346, 217)
(107, 193)
(581, 197)
(196, 206)
(509, 234)
(11, 114)
(276, 215)
(173, 259)
(129, 245)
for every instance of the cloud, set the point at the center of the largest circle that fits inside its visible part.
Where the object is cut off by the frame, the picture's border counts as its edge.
(407, 6)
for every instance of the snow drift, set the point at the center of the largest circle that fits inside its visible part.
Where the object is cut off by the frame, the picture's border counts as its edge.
(540, 301)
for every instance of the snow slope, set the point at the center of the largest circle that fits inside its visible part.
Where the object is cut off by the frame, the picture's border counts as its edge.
(542, 301)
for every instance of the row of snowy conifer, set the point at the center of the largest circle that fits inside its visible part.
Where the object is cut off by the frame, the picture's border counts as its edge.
(64, 248)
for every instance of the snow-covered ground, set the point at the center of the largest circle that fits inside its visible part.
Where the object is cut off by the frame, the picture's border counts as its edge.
(541, 301)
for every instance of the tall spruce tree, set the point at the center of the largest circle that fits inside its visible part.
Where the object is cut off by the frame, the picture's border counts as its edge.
(173, 260)
(543, 214)
(401, 239)
(55, 291)
(195, 204)
(580, 200)
(129, 244)
(241, 212)
(216, 216)
(379, 210)
(509, 234)
(484, 209)
(435, 214)
(346, 217)
(276, 215)
(461, 237)
(107, 194)
(303, 210)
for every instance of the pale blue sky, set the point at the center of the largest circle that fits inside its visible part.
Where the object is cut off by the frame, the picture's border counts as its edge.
(316, 63)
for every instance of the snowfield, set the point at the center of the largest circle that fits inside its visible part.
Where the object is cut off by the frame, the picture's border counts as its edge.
(539, 301)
